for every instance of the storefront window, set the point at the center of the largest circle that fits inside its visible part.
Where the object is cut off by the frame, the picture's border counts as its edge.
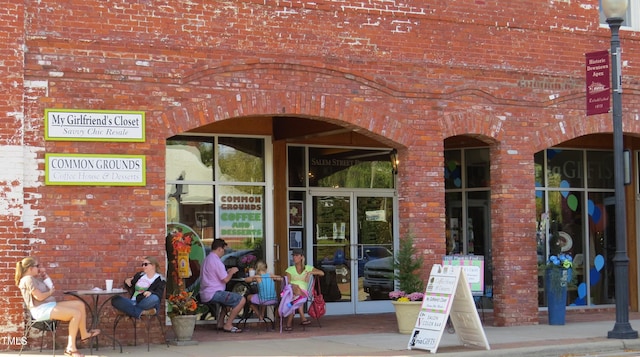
(574, 217)
(196, 170)
(468, 209)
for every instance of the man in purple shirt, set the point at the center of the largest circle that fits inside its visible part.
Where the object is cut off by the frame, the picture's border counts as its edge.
(214, 278)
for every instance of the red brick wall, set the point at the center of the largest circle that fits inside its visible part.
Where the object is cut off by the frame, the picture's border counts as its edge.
(408, 73)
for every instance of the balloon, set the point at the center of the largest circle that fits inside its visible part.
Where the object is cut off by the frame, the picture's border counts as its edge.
(597, 214)
(572, 202)
(594, 276)
(457, 182)
(582, 290)
(599, 262)
(564, 184)
(590, 207)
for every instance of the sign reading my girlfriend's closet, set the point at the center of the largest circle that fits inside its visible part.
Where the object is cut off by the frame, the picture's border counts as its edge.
(447, 295)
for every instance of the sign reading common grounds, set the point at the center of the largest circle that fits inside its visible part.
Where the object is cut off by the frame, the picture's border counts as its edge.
(95, 170)
(94, 125)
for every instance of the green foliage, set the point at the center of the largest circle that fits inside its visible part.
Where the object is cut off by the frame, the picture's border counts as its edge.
(407, 267)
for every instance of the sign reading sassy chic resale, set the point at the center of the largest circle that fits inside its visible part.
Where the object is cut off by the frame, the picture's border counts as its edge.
(95, 170)
(94, 125)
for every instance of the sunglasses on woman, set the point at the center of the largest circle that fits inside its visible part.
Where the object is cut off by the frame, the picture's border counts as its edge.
(145, 264)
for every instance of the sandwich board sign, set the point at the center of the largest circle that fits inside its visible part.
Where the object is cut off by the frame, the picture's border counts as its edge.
(447, 295)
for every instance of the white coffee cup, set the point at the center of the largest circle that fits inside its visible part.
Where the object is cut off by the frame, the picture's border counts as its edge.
(48, 282)
(252, 272)
(109, 284)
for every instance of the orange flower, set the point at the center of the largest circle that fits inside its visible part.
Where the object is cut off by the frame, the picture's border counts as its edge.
(182, 303)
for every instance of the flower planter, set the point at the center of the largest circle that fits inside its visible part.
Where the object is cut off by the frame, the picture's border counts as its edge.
(183, 326)
(406, 315)
(556, 290)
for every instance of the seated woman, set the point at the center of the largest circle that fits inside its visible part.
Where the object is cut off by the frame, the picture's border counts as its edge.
(43, 306)
(148, 287)
(266, 288)
(299, 275)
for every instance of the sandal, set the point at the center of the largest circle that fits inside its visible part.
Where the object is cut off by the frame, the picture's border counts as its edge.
(92, 334)
(73, 353)
(233, 330)
(305, 322)
(288, 328)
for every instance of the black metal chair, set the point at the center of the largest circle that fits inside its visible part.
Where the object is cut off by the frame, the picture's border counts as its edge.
(42, 325)
(146, 317)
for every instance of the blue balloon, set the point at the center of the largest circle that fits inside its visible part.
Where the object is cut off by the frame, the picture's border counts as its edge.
(582, 290)
(590, 207)
(597, 214)
(564, 184)
(599, 262)
(594, 276)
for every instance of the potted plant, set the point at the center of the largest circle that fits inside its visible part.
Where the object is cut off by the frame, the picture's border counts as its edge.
(407, 300)
(181, 306)
(557, 278)
(182, 312)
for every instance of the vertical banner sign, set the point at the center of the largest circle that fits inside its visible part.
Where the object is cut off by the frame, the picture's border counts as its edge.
(598, 82)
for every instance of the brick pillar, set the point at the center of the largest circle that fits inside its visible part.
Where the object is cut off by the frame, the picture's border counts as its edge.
(12, 240)
(513, 210)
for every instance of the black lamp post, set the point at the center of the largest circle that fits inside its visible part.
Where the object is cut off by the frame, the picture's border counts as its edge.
(615, 10)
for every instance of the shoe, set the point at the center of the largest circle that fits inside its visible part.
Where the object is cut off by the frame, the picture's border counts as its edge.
(233, 330)
(92, 334)
(305, 322)
(288, 328)
(73, 353)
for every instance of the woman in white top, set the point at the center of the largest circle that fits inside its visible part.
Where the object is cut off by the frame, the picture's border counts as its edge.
(147, 287)
(39, 299)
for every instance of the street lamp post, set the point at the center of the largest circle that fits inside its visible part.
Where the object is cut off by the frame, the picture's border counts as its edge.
(615, 10)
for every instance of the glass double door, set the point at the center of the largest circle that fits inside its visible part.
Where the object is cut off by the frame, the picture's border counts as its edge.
(352, 242)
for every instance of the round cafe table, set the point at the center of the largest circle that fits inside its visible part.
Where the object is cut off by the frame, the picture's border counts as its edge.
(95, 308)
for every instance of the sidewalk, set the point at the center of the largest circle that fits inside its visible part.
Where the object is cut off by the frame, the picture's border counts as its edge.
(374, 335)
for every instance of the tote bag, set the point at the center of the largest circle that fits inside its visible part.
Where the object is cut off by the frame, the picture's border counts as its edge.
(318, 307)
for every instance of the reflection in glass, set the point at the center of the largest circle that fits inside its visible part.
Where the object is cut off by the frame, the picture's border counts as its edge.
(241, 159)
(350, 168)
(375, 247)
(331, 239)
(565, 168)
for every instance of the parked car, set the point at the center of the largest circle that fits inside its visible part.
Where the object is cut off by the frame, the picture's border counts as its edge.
(370, 253)
(378, 278)
(339, 262)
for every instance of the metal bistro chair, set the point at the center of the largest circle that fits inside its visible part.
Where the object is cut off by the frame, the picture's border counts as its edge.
(42, 325)
(269, 299)
(146, 317)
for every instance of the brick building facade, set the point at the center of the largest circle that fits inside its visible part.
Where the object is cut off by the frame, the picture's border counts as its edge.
(415, 76)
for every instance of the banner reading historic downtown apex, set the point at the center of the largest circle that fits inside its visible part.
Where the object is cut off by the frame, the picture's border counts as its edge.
(598, 82)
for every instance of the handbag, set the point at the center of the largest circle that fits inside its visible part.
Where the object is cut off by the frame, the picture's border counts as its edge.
(318, 306)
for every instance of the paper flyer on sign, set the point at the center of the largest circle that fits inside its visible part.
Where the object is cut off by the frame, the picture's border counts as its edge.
(436, 304)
